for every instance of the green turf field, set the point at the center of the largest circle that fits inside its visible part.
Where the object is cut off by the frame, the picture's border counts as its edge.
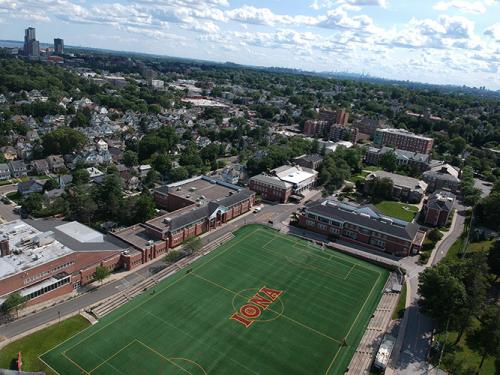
(185, 326)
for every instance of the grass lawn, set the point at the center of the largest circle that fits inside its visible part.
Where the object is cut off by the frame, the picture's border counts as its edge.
(14, 196)
(462, 352)
(398, 210)
(32, 346)
(400, 308)
(372, 168)
(262, 303)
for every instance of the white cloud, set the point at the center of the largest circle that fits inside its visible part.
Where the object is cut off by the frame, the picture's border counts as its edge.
(493, 32)
(355, 4)
(463, 6)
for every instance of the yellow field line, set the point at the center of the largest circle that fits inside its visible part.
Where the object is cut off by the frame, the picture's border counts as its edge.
(315, 249)
(116, 353)
(355, 320)
(162, 356)
(76, 364)
(155, 295)
(196, 339)
(353, 266)
(269, 309)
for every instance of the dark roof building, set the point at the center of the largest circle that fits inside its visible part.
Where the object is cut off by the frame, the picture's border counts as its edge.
(437, 208)
(362, 225)
(311, 161)
(195, 206)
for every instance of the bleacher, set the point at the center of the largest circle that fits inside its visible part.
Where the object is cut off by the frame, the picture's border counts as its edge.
(112, 303)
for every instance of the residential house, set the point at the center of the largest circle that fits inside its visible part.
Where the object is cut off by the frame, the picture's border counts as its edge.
(442, 177)
(4, 172)
(404, 188)
(362, 225)
(64, 180)
(95, 175)
(56, 163)
(9, 153)
(32, 135)
(437, 208)
(18, 168)
(143, 169)
(40, 166)
(29, 187)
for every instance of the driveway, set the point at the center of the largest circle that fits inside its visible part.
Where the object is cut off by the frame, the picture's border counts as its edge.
(412, 358)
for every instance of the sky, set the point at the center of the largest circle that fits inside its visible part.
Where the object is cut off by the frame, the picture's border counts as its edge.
(433, 41)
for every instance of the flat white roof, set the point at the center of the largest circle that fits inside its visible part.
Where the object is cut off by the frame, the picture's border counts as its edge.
(295, 175)
(204, 102)
(80, 232)
(25, 253)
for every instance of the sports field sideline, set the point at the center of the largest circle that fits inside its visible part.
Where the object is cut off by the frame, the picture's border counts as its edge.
(262, 303)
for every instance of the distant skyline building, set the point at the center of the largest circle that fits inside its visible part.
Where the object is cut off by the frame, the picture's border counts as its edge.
(58, 46)
(31, 45)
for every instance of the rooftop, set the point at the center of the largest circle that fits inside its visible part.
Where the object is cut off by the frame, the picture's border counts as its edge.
(367, 216)
(29, 247)
(399, 180)
(294, 174)
(403, 132)
(77, 236)
(200, 189)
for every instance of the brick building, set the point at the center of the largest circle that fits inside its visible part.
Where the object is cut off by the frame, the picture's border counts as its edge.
(283, 182)
(362, 225)
(44, 259)
(339, 132)
(195, 206)
(412, 159)
(437, 208)
(369, 126)
(315, 128)
(402, 139)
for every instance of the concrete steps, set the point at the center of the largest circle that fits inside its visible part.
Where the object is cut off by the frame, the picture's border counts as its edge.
(367, 349)
(123, 297)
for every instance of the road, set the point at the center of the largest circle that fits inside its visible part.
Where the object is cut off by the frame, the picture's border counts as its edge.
(416, 343)
(275, 213)
(418, 333)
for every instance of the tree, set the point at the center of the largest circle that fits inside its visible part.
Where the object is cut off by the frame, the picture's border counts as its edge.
(380, 188)
(442, 294)
(389, 162)
(485, 339)
(435, 235)
(32, 203)
(192, 244)
(494, 258)
(63, 141)
(458, 145)
(81, 176)
(178, 174)
(144, 208)
(109, 197)
(130, 158)
(14, 302)
(174, 255)
(101, 273)
(50, 184)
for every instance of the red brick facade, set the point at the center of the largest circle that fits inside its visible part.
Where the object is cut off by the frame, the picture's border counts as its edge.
(270, 192)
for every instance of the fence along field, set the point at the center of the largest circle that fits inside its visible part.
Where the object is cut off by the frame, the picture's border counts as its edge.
(261, 303)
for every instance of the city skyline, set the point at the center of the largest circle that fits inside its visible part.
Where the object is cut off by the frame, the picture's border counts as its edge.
(441, 42)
